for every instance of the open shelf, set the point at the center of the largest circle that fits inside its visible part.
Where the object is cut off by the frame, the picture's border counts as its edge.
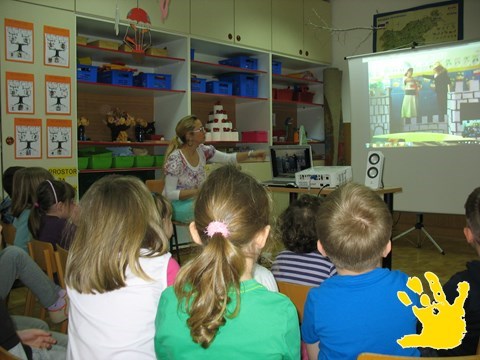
(103, 88)
(293, 104)
(124, 143)
(112, 170)
(209, 97)
(291, 80)
(215, 69)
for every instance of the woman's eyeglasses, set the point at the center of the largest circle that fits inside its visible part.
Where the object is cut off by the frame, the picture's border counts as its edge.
(200, 129)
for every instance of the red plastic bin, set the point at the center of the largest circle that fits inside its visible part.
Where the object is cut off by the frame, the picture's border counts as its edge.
(304, 96)
(284, 94)
(254, 136)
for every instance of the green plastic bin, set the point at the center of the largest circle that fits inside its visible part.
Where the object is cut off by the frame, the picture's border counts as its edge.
(123, 161)
(144, 161)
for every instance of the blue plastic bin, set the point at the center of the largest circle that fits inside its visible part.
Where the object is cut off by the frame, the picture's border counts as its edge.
(153, 81)
(219, 87)
(198, 84)
(244, 62)
(116, 77)
(277, 67)
(87, 73)
(242, 84)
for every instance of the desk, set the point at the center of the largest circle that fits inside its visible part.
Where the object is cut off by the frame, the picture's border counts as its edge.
(386, 192)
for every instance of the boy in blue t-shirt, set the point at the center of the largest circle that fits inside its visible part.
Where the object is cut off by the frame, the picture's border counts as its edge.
(357, 310)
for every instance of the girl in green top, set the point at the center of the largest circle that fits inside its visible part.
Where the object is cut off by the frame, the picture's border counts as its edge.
(215, 309)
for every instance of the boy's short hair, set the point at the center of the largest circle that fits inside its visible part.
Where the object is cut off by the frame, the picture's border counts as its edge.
(354, 227)
(472, 212)
(7, 178)
(296, 225)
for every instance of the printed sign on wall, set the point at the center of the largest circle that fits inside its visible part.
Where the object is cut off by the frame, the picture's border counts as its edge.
(28, 135)
(59, 138)
(18, 41)
(57, 46)
(20, 93)
(57, 94)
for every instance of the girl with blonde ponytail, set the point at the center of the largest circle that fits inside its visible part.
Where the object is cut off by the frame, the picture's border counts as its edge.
(216, 308)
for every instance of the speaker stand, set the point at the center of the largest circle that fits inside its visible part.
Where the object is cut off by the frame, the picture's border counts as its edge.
(421, 228)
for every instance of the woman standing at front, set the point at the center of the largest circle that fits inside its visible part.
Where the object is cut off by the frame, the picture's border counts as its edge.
(185, 162)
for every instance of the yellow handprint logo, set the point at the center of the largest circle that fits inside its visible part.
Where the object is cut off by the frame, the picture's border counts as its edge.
(443, 323)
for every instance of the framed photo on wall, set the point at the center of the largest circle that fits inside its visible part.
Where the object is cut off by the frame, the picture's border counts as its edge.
(423, 25)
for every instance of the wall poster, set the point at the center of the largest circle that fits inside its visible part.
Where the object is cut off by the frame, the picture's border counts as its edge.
(18, 41)
(57, 95)
(423, 25)
(28, 138)
(56, 46)
(20, 93)
(59, 138)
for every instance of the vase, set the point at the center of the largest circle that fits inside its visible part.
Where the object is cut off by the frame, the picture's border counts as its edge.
(81, 133)
(139, 133)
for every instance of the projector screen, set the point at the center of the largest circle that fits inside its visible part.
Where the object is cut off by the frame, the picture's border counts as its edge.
(421, 108)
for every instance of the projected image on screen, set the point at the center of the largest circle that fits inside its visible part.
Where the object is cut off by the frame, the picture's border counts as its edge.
(428, 97)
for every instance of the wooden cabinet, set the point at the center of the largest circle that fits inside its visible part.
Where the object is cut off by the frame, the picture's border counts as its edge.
(59, 4)
(293, 34)
(240, 22)
(177, 19)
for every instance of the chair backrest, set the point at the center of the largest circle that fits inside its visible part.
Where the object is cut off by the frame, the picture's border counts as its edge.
(8, 233)
(43, 254)
(297, 293)
(5, 355)
(372, 356)
(61, 256)
(155, 185)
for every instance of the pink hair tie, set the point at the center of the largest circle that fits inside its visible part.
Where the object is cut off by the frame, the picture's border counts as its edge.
(217, 227)
(37, 205)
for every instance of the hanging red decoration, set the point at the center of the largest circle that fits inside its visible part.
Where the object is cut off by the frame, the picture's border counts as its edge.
(137, 35)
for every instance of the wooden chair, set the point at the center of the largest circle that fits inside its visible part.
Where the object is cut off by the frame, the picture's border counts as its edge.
(297, 293)
(5, 355)
(372, 356)
(61, 256)
(43, 254)
(157, 185)
(8, 233)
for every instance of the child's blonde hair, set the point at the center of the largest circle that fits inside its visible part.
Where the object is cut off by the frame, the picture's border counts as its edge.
(25, 183)
(354, 227)
(472, 213)
(117, 218)
(207, 283)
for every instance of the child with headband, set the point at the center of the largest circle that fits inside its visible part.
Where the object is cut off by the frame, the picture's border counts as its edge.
(50, 213)
(118, 266)
(24, 196)
(216, 308)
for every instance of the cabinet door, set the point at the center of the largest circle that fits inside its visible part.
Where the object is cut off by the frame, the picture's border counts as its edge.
(287, 27)
(212, 19)
(317, 42)
(253, 23)
(60, 4)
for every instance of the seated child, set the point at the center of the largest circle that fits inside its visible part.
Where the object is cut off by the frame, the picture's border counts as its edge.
(118, 266)
(470, 275)
(357, 310)
(216, 309)
(50, 214)
(300, 262)
(24, 196)
(6, 204)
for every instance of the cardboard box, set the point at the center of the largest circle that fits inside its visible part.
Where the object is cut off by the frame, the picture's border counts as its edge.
(104, 44)
(125, 47)
(157, 52)
(81, 40)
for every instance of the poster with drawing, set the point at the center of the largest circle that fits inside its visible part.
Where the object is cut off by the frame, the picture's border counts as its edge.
(57, 94)
(18, 41)
(56, 46)
(20, 93)
(28, 138)
(59, 138)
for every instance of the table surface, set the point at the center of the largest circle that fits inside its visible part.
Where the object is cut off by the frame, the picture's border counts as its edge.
(325, 191)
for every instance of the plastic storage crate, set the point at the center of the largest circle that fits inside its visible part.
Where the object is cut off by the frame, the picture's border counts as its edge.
(283, 94)
(82, 163)
(242, 84)
(144, 161)
(276, 67)
(254, 136)
(123, 161)
(244, 62)
(159, 160)
(198, 84)
(116, 77)
(219, 87)
(87, 73)
(153, 81)
(100, 162)
(303, 96)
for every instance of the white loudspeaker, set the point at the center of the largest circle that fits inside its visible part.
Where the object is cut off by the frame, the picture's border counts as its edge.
(374, 175)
